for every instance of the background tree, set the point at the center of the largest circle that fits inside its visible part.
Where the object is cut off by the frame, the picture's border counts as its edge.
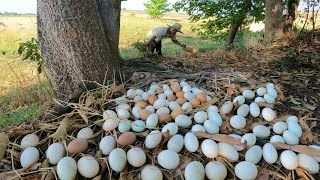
(273, 21)
(156, 8)
(79, 43)
(214, 17)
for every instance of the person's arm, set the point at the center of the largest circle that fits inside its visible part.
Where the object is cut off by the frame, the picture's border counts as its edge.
(178, 43)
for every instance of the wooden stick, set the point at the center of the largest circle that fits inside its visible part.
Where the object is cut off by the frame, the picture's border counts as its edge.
(298, 148)
(221, 138)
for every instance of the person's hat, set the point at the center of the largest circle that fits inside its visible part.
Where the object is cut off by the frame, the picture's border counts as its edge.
(177, 27)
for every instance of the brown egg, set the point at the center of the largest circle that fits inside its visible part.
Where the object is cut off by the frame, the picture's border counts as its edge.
(171, 97)
(127, 138)
(144, 114)
(202, 97)
(176, 112)
(195, 102)
(180, 94)
(181, 101)
(77, 146)
(175, 88)
(164, 118)
(152, 99)
(159, 90)
(141, 104)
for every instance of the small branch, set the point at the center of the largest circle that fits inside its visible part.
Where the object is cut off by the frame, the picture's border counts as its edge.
(298, 148)
(221, 138)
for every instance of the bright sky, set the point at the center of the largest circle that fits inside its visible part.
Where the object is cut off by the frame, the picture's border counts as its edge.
(30, 6)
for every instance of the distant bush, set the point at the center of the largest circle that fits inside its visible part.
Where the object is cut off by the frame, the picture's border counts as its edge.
(156, 8)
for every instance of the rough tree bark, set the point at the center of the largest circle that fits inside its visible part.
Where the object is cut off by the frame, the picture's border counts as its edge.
(79, 43)
(289, 19)
(273, 21)
(237, 23)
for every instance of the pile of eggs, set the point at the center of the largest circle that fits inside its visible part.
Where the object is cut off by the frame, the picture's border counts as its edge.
(166, 109)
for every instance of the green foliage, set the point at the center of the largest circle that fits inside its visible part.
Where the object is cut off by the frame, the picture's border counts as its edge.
(30, 51)
(156, 8)
(213, 17)
(139, 46)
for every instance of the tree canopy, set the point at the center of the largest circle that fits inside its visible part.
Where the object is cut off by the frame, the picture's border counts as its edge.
(156, 8)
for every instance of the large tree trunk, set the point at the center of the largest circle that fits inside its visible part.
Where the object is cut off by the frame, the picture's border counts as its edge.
(273, 21)
(289, 19)
(79, 43)
(238, 20)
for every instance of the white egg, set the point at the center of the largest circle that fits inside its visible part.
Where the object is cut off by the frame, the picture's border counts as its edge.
(29, 140)
(138, 126)
(211, 127)
(215, 170)
(124, 126)
(198, 127)
(200, 117)
(289, 159)
(246, 170)
(107, 144)
(152, 120)
(85, 133)
(210, 148)
(276, 138)
(136, 157)
(159, 103)
(110, 124)
(212, 108)
(123, 114)
(183, 83)
(121, 100)
(139, 92)
(295, 128)
(183, 121)
(269, 153)
(191, 142)
(88, 166)
(145, 96)
(309, 163)
(131, 93)
(250, 138)
(136, 111)
(272, 92)
(269, 98)
(175, 143)
(209, 99)
(238, 122)
(151, 108)
(187, 106)
(243, 110)
(268, 114)
(162, 96)
(29, 156)
(194, 170)
(189, 96)
(117, 159)
(248, 94)
(279, 127)
(196, 91)
(109, 114)
(123, 106)
(151, 92)
(270, 85)
(151, 172)
(215, 117)
(168, 159)
(154, 87)
(186, 88)
(163, 111)
(171, 127)
(259, 99)
(261, 131)
(174, 105)
(153, 139)
(261, 91)
(254, 154)
(228, 151)
(292, 119)
(238, 148)
(165, 87)
(315, 147)
(55, 152)
(239, 100)
(227, 107)
(290, 138)
(254, 110)
(67, 168)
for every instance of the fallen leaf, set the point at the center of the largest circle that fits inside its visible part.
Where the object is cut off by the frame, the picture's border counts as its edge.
(263, 174)
(83, 115)
(294, 101)
(14, 174)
